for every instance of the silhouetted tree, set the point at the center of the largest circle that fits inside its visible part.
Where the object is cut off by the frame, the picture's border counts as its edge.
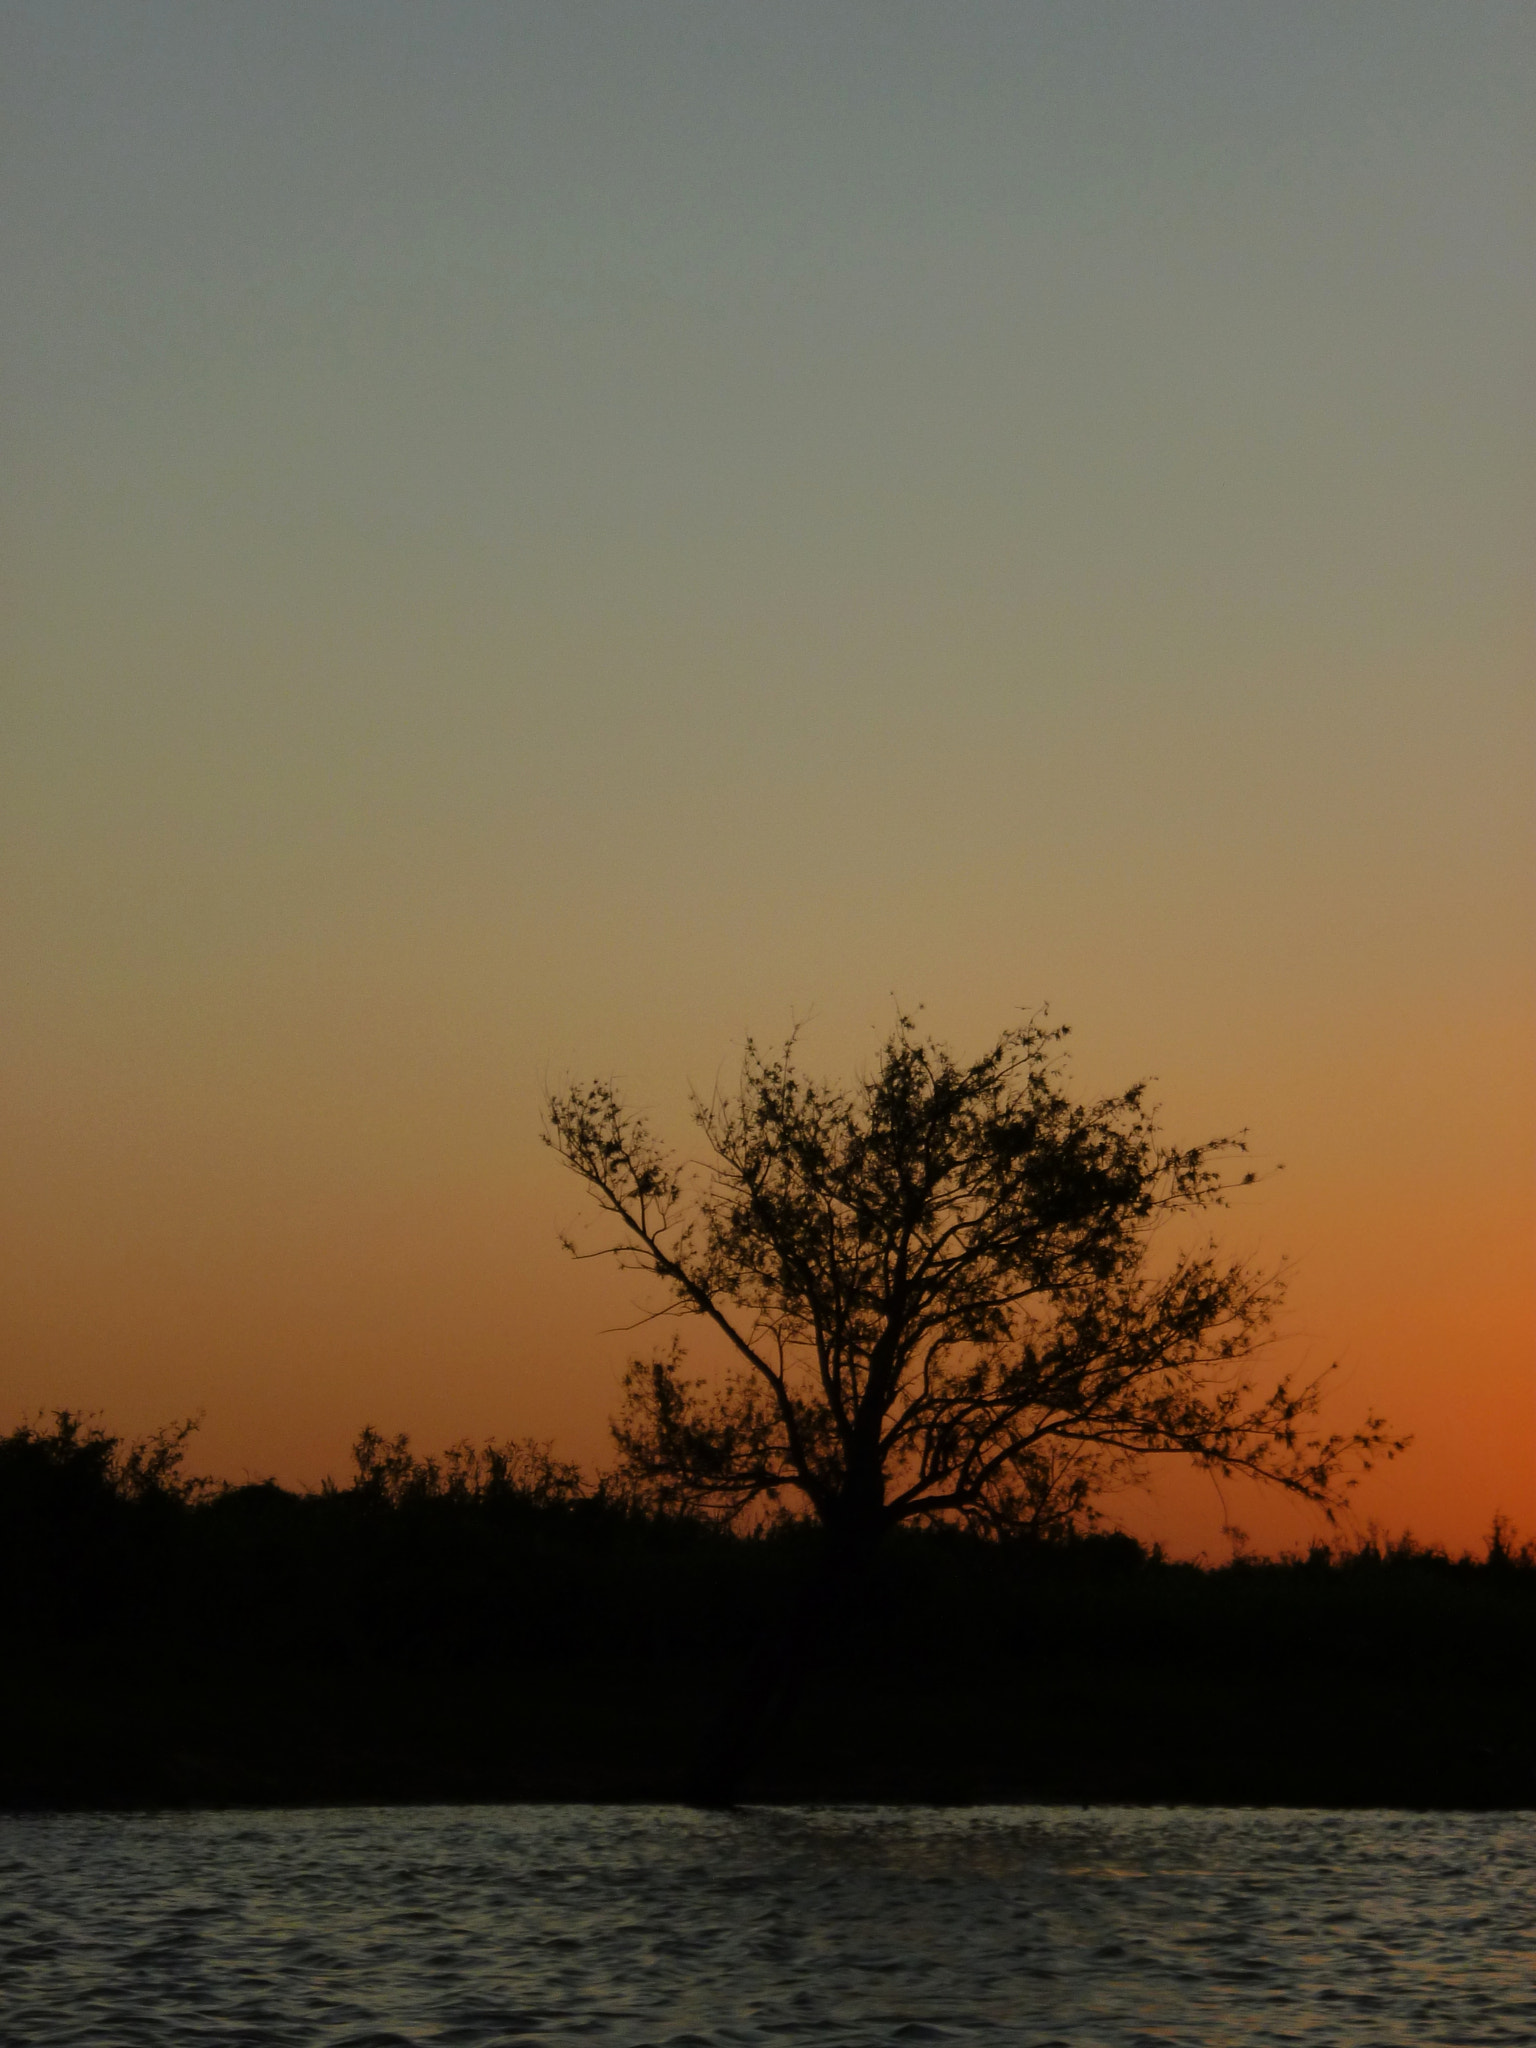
(945, 1295)
(943, 1299)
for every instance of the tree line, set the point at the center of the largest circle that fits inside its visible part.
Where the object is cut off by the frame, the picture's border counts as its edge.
(960, 1308)
(474, 1625)
(500, 1553)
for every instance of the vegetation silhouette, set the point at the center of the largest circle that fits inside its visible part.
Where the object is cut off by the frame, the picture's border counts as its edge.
(946, 1300)
(482, 1624)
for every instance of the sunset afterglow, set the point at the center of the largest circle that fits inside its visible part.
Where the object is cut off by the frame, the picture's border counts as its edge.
(543, 540)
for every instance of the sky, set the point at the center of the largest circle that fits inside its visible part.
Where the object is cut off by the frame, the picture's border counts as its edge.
(538, 540)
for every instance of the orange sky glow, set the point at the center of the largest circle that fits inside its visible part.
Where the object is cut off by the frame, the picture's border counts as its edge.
(540, 541)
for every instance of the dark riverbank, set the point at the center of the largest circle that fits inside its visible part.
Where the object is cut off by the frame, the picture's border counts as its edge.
(86, 1733)
(396, 1640)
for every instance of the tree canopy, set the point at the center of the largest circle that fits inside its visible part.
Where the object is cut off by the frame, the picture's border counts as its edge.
(950, 1291)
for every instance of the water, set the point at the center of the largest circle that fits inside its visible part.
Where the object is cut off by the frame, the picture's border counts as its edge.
(475, 1925)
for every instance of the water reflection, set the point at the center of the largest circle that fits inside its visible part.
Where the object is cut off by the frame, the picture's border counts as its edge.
(629, 1925)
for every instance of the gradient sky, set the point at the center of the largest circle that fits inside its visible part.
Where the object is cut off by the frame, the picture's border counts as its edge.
(539, 539)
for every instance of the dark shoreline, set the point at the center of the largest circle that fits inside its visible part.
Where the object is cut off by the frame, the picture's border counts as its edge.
(177, 1646)
(81, 1738)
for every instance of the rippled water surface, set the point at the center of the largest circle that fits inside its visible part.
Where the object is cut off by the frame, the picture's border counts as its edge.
(1029, 1925)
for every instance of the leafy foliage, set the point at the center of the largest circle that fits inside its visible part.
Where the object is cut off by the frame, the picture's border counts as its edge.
(941, 1294)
